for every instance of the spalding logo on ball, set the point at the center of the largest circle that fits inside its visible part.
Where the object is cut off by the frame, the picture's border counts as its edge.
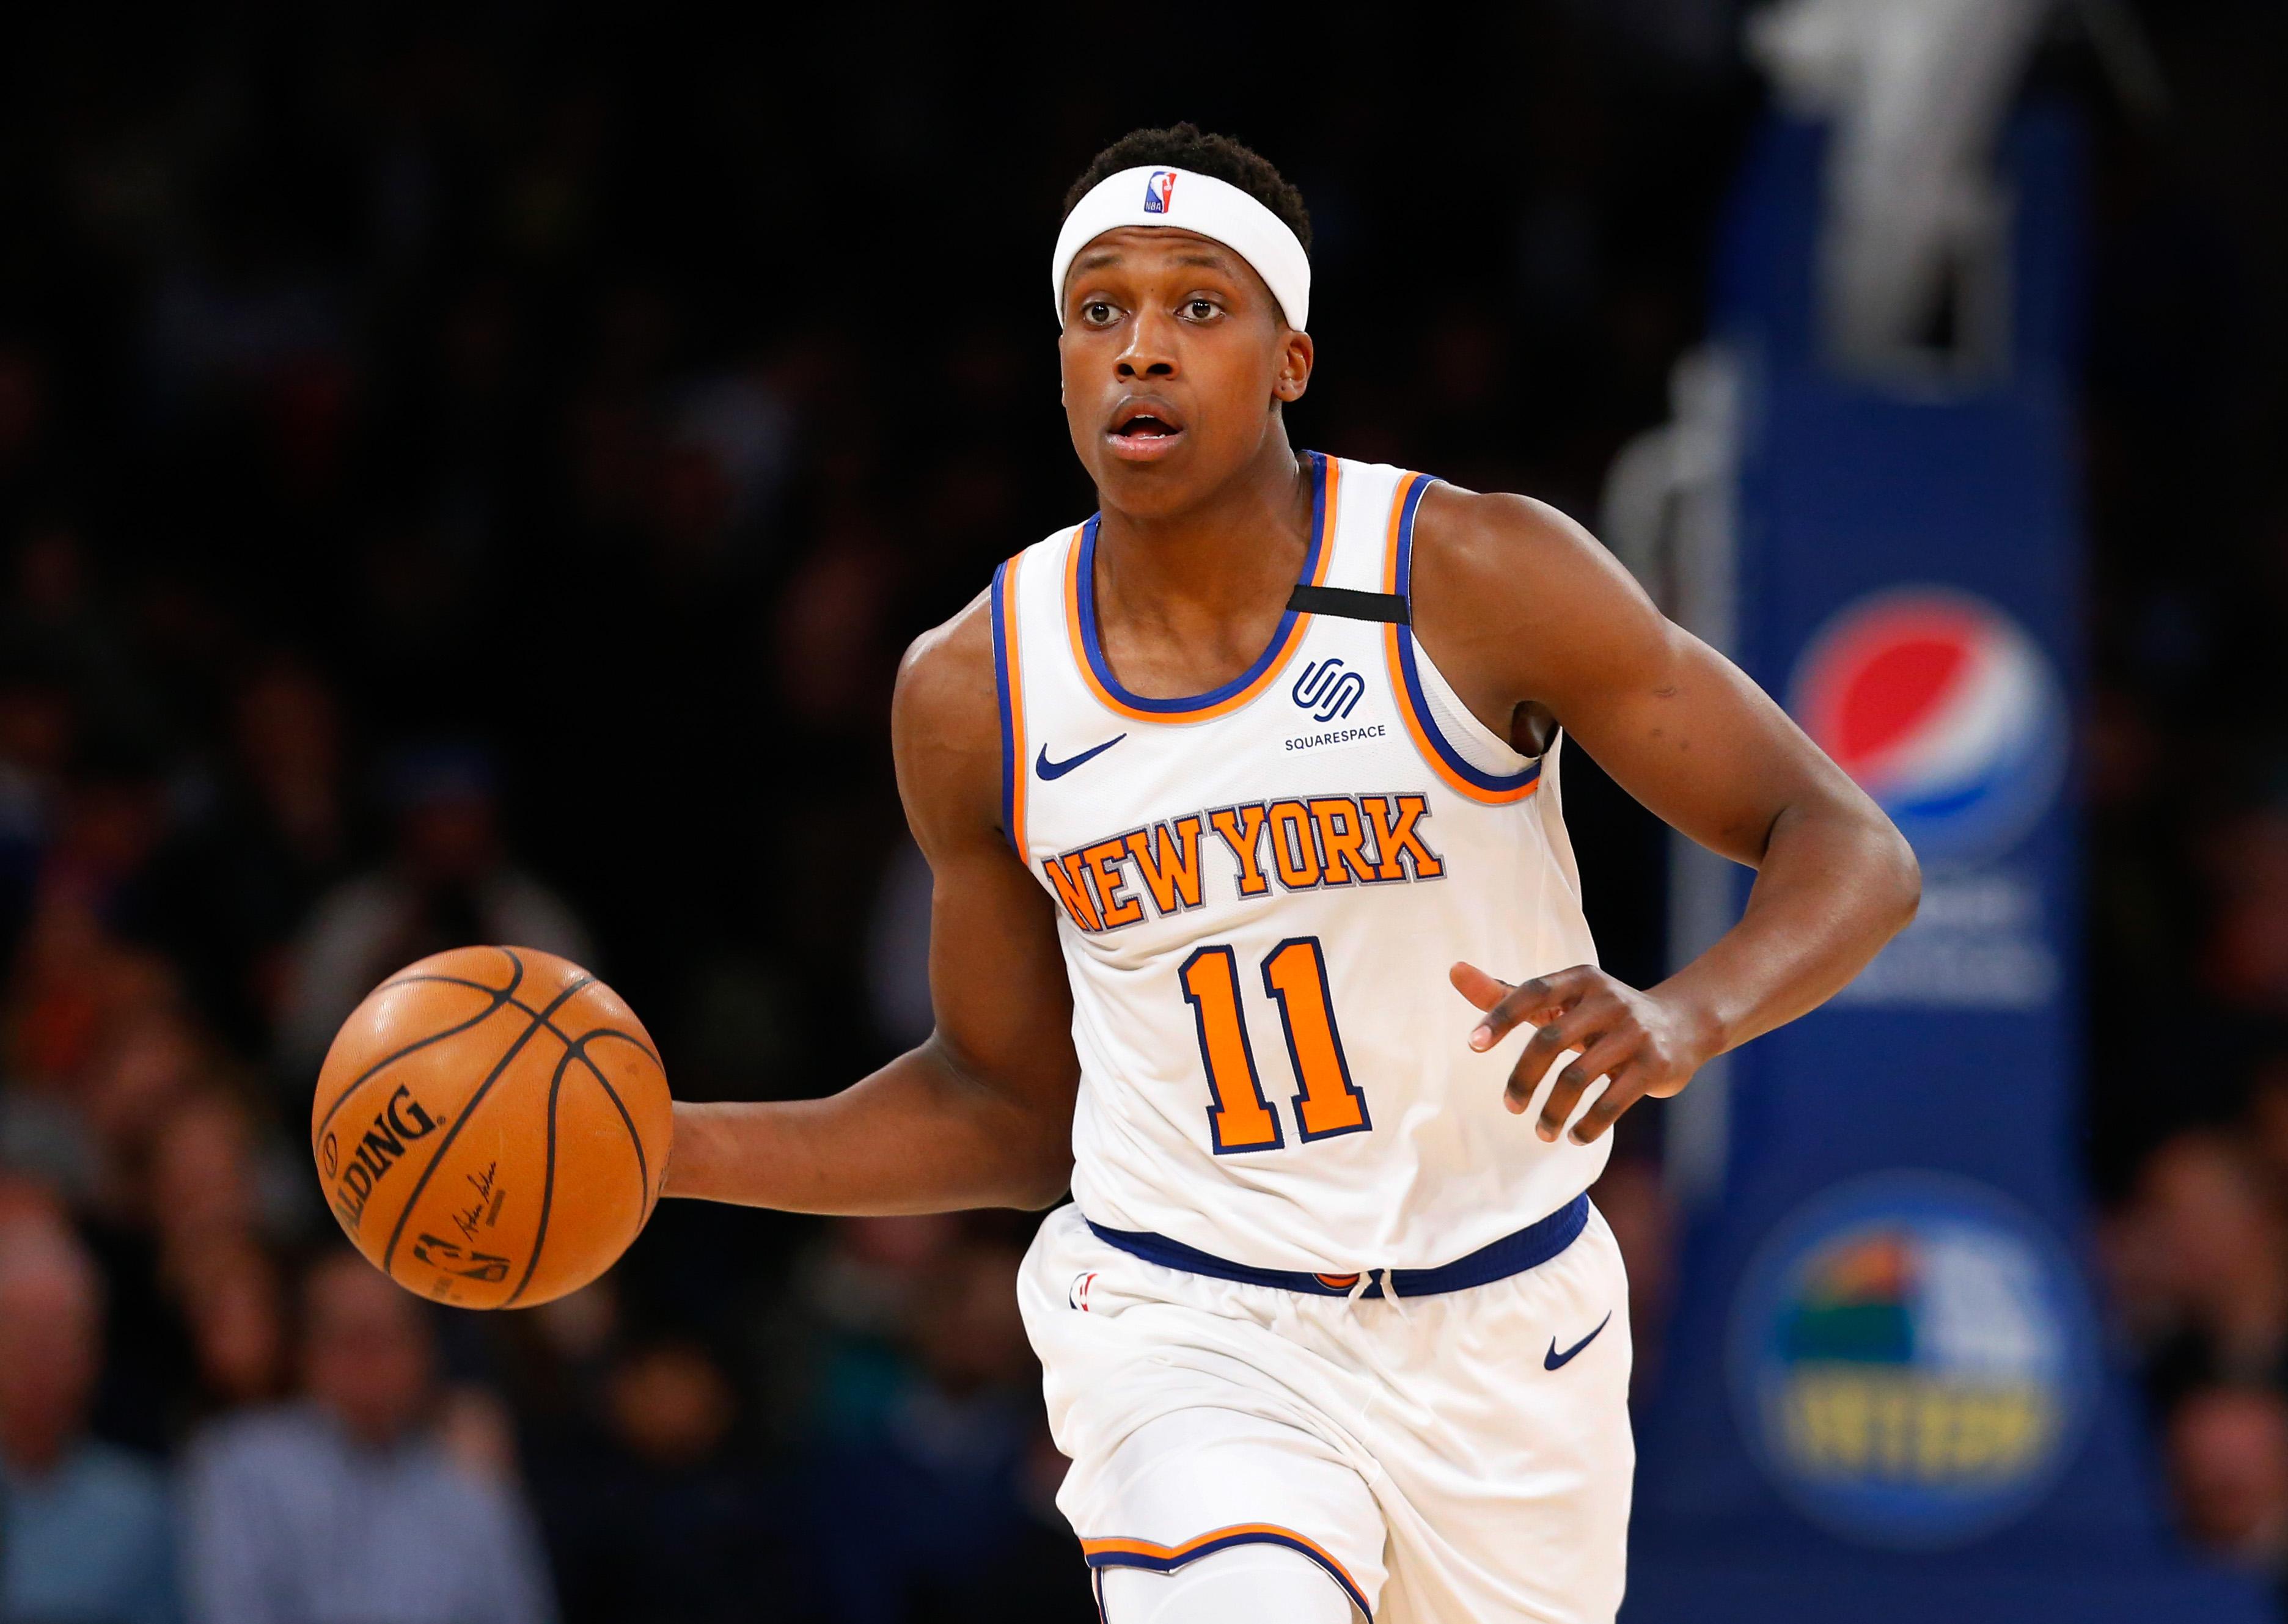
(1942, 708)
(491, 1127)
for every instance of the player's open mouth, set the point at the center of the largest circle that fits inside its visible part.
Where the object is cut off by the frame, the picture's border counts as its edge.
(1139, 432)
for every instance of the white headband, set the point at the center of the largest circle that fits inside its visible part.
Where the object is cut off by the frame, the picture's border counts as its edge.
(1189, 200)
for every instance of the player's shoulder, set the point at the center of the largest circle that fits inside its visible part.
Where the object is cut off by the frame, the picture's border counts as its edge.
(1484, 537)
(1514, 598)
(948, 680)
(946, 690)
(1514, 560)
(945, 719)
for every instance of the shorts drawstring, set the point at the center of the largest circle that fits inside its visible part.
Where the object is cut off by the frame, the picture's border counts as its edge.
(1368, 1349)
(1388, 1280)
(1390, 1295)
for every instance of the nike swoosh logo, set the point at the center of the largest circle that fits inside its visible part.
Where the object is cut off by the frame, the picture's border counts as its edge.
(1555, 1360)
(1049, 769)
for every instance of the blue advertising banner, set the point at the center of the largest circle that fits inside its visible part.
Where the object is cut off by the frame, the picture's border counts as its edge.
(1887, 1387)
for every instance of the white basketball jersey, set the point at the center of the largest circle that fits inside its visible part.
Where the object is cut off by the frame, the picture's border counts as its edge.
(1260, 890)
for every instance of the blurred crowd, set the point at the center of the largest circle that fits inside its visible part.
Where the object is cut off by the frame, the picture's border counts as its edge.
(2185, 768)
(471, 482)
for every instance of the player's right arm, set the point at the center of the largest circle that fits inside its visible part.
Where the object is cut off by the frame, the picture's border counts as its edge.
(980, 1114)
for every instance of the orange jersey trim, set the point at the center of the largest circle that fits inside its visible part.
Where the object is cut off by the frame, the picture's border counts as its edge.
(1009, 675)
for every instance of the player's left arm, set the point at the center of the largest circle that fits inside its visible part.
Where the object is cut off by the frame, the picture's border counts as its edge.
(1533, 621)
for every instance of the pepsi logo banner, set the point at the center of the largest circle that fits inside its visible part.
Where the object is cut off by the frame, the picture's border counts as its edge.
(1941, 707)
(1946, 710)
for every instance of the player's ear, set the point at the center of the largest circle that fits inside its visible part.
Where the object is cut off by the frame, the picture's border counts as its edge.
(1294, 368)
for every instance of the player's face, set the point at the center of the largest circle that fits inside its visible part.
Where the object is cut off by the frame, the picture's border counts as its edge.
(1176, 359)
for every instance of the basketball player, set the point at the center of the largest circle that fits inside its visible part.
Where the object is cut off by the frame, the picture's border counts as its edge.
(1256, 923)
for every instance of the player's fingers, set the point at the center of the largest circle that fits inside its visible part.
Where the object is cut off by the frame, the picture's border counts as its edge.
(1577, 1028)
(1538, 1001)
(1473, 983)
(1623, 1087)
(1599, 1058)
(1573, 1029)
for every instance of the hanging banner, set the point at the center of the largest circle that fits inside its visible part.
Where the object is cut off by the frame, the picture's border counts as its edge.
(1885, 1393)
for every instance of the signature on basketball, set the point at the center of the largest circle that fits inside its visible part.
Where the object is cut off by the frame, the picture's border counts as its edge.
(482, 1184)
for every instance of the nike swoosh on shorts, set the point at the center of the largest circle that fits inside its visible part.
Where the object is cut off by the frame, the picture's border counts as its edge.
(1555, 1360)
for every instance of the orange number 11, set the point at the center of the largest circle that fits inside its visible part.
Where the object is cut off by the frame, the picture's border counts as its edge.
(1327, 1103)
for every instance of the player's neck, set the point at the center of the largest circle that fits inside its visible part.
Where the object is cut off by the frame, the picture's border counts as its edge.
(1237, 548)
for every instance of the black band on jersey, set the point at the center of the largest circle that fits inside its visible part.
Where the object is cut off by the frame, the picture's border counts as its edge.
(1350, 606)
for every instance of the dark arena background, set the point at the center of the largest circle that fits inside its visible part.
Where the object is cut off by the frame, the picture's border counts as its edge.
(469, 474)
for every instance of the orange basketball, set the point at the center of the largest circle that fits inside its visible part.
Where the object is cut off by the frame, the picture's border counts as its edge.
(491, 1127)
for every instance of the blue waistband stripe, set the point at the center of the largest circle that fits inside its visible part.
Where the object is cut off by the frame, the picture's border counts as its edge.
(1530, 1247)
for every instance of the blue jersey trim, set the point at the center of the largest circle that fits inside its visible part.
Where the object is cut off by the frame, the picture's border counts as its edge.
(1492, 782)
(1514, 1253)
(1272, 651)
(1004, 682)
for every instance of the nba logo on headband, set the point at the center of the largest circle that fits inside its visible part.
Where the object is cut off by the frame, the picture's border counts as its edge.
(1213, 209)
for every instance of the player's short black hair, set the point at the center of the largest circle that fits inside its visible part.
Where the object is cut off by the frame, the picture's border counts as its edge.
(1187, 147)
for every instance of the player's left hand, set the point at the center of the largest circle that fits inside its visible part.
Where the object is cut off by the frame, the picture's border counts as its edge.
(1640, 1044)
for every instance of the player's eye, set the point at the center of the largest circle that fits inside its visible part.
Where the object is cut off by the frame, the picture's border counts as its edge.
(1096, 313)
(1202, 309)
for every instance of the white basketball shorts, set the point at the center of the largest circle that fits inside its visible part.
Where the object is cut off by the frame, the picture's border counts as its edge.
(1462, 1457)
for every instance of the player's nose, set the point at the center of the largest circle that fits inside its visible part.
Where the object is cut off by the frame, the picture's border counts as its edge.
(1150, 351)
